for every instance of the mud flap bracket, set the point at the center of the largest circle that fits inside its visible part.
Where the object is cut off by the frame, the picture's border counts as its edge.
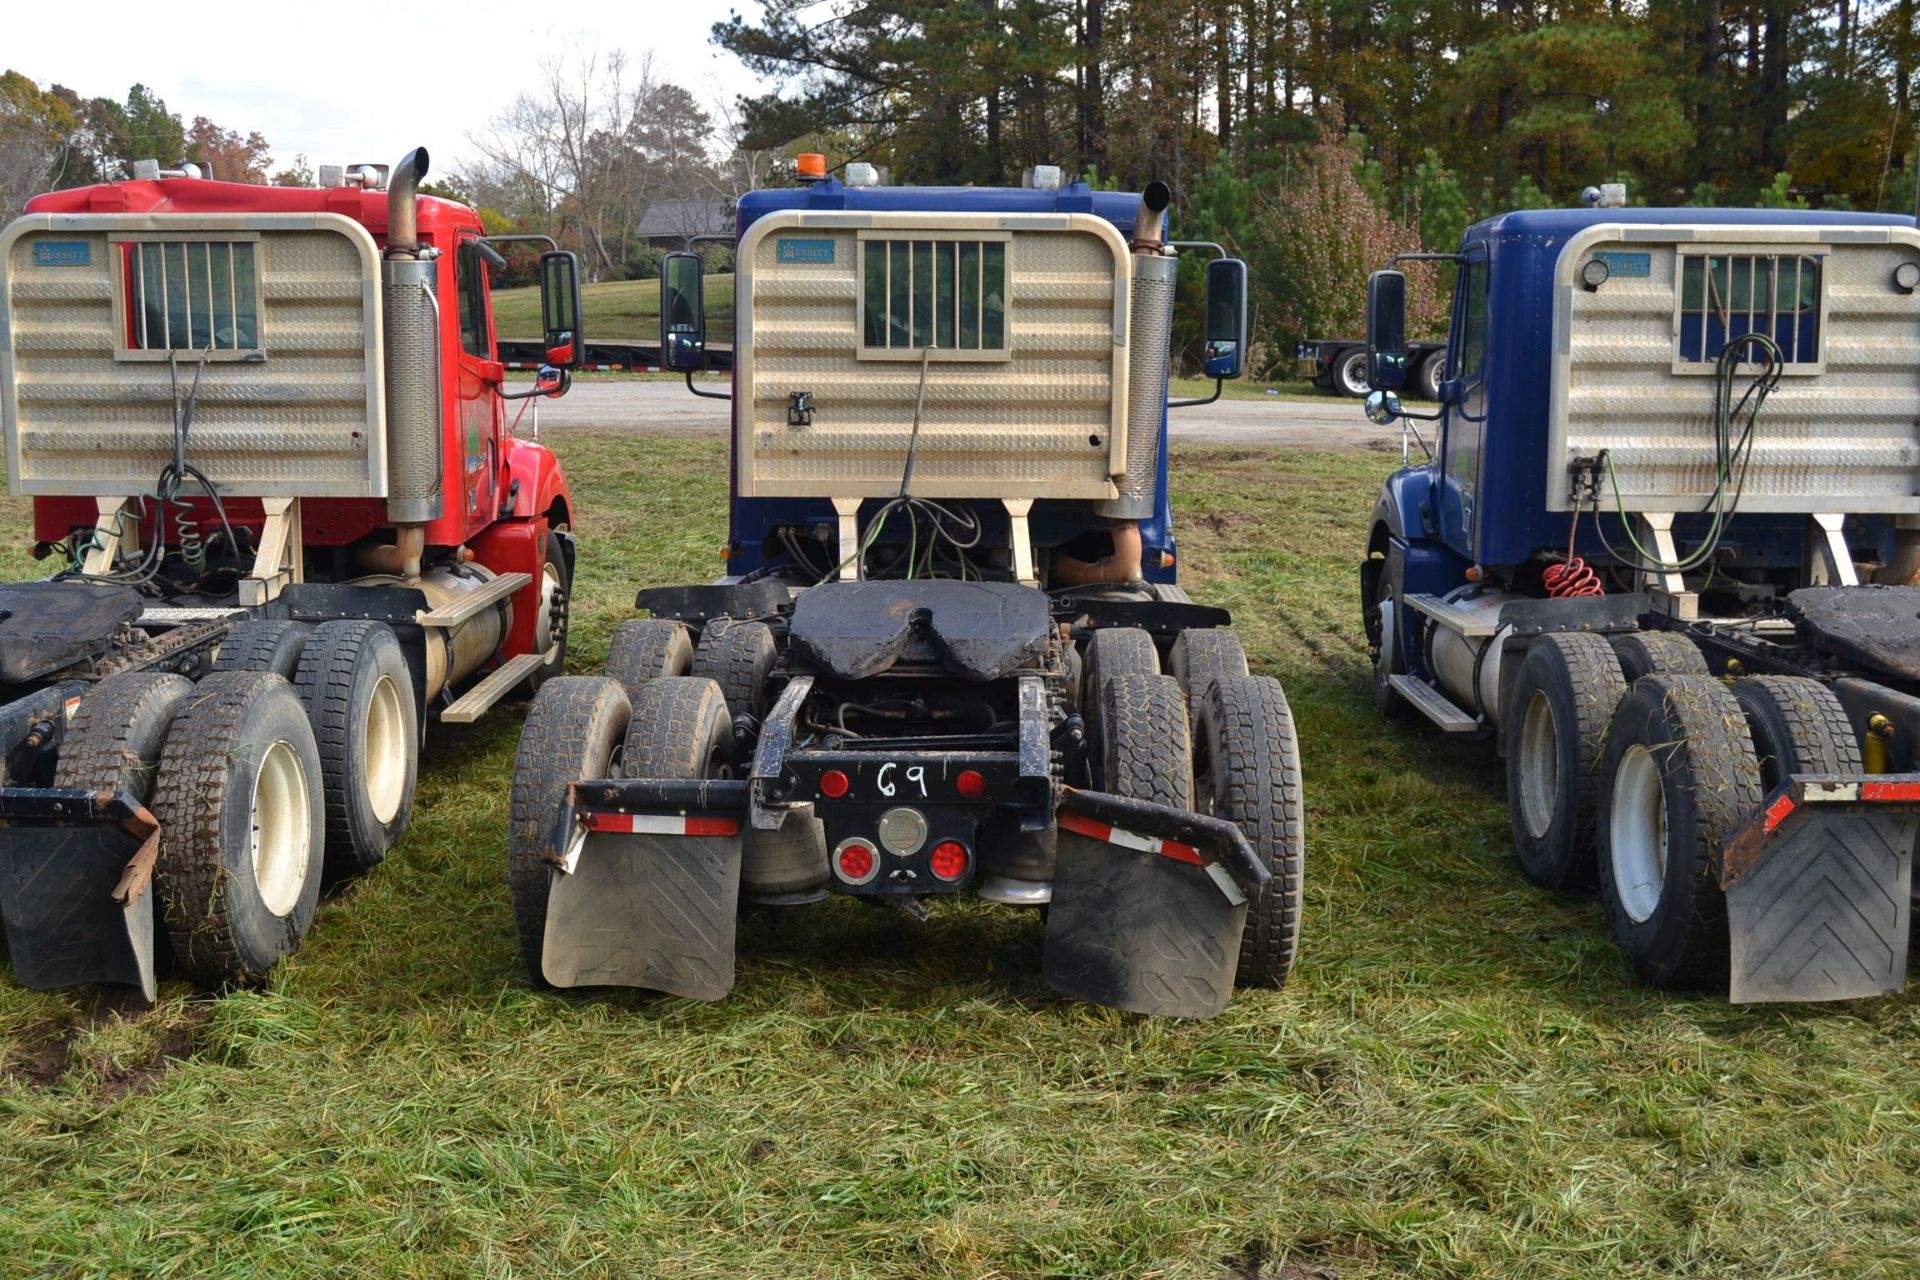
(1148, 906)
(642, 896)
(1819, 889)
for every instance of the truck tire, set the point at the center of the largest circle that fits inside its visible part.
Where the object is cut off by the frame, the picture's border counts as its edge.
(1658, 653)
(1198, 658)
(1247, 770)
(680, 729)
(1388, 661)
(264, 644)
(556, 605)
(1429, 373)
(1147, 747)
(1679, 777)
(647, 649)
(358, 692)
(737, 656)
(1559, 709)
(113, 741)
(239, 802)
(573, 730)
(1118, 651)
(1797, 725)
(1350, 373)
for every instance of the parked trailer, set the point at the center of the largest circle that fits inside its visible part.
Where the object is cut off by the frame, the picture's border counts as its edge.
(1663, 551)
(1340, 364)
(949, 655)
(264, 433)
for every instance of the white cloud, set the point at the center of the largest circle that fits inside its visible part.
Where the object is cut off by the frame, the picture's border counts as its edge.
(354, 80)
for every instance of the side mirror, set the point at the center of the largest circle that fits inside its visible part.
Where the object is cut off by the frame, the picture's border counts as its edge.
(1382, 407)
(1387, 330)
(1225, 353)
(683, 313)
(560, 309)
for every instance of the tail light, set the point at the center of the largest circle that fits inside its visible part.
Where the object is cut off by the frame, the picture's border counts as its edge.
(833, 784)
(856, 862)
(970, 784)
(949, 860)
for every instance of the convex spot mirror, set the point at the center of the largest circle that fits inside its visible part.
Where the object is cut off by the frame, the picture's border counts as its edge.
(1382, 407)
(1225, 353)
(683, 314)
(1387, 330)
(560, 309)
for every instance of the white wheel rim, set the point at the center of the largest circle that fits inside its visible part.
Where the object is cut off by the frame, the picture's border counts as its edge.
(543, 621)
(385, 760)
(1539, 750)
(282, 828)
(1353, 372)
(1637, 834)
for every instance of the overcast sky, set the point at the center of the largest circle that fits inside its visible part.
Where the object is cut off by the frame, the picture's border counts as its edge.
(351, 80)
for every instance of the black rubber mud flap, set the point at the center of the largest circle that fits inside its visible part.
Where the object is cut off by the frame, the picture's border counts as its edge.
(1819, 890)
(76, 888)
(1141, 922)
(650, 911)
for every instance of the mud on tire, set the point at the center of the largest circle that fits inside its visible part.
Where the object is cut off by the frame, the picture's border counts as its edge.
(648, 649)
(238, 797)
(1247, 770)
(114, 739)
(1198, 658)
(1679, 778)
(358, 691)
(1147, 752)
(1797, 726)
(264, 644)
(573, 731)
(1658, 653)
(680, 729)
(737, 656)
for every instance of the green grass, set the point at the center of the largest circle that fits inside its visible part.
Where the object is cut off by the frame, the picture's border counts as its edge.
(615, 310)
(1462, 1079)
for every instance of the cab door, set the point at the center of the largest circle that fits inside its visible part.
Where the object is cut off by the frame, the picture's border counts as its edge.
(476, 388)
(1464, 400)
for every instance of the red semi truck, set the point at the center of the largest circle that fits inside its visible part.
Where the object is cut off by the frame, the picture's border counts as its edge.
(272, 466)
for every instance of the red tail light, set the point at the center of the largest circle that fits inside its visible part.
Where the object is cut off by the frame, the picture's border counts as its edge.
(948, 860)
(834, 784)
(970, 784)
(856, 862)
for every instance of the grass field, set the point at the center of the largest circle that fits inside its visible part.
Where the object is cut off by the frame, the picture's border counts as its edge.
(1461, 1080)
(616, 310)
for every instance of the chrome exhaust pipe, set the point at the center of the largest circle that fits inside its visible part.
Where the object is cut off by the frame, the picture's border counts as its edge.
(403, 219)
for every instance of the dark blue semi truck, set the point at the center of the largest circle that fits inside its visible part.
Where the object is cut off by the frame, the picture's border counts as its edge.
(948, 656)
(1662, 550)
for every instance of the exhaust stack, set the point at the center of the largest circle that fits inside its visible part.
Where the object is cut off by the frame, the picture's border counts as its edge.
(1149, 335)
(410, 292)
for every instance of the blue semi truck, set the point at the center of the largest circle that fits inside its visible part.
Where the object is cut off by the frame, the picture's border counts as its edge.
(1662, 550)
(948, 655)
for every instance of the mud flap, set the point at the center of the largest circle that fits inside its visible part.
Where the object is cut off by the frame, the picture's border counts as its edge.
(1147, 917)
(76, 873)
(1819, 890)
(645, 910)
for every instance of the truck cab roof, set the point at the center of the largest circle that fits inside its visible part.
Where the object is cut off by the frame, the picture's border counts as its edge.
(366, 206)
(1563, 224)
(1117, 207)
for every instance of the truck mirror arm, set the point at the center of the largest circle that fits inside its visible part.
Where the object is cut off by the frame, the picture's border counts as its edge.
(541, 386)
(1219, 385)
(706, 395)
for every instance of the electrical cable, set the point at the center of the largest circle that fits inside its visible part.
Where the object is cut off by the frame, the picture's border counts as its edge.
(1726, 451)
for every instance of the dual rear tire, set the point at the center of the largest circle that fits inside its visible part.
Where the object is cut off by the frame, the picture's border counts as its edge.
(1635, 779)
